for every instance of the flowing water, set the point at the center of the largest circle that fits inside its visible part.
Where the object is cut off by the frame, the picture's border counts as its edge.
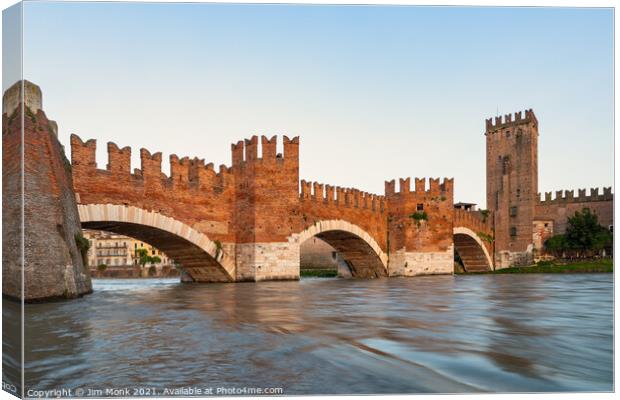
(447, 334)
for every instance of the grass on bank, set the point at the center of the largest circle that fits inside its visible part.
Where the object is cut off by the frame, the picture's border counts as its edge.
(318, 273)
(602, 265)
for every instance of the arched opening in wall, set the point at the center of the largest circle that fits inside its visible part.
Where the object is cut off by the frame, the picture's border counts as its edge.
(470, 255)
(318, 259)
(193, 262)
(340, 253)
(113, 255)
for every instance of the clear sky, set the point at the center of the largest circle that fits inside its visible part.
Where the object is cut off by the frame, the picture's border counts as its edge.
(374, 92)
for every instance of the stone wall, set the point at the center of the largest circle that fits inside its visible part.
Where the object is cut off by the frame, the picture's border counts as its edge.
(267, 261)
(412, 263)
(52, 263)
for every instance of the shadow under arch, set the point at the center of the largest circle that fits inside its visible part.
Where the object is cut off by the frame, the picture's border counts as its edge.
(356, 247)
(472, 250)
(200, 257)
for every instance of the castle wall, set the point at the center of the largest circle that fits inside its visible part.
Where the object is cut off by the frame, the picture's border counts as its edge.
(52, 263)
(551, 214)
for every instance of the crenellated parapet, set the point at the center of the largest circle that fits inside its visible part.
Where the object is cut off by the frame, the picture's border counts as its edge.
(568, 196)
(340, 197)
(497, 123)
(83, 154)
(435, 187)
(185, 173)
(246, 152)
(119, 160)
(473, 220)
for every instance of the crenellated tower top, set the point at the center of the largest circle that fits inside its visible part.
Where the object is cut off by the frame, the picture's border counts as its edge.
(520, 118)
(245, 152)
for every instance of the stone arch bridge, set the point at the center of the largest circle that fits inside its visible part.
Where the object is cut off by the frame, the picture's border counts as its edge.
(246, 222)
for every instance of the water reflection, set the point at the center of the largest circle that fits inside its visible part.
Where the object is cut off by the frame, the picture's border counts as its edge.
(431, 334)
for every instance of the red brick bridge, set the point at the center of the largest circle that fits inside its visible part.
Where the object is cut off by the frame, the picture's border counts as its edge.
(247, 221)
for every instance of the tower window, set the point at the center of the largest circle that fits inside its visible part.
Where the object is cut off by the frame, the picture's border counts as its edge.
(505, 165)
(518, 192)
(513, 231)
(420, 207)
(513, 211)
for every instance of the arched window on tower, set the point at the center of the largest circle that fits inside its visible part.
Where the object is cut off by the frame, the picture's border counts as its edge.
(506, 165)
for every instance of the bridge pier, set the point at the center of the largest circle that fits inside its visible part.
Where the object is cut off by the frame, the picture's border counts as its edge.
(412, 263)
(267, 261)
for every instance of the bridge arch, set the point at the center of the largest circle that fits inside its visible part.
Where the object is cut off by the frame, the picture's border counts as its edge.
(472, 250)
(199, 256)
(358, 249)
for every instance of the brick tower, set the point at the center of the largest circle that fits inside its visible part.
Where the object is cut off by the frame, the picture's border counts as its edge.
(512, 184)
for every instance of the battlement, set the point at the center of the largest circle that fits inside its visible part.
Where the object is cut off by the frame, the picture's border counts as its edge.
(184, 172)
(435, 188)
(519, 118)
(473, 220)
(568, 196)
(246, 151)
(339, 196)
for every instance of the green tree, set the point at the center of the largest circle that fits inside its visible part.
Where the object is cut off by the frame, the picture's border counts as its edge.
(556, 245)
(584, 233)
(603, 240)
(144, 258)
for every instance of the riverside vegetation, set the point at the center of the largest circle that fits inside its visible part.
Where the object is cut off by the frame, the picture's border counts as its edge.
(582, 266)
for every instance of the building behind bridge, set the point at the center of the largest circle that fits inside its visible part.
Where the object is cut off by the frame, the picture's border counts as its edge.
(114, 250)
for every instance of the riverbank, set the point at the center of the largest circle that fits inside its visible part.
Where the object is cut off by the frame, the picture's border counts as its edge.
(318, 273)
(165, 271)
(603, 266)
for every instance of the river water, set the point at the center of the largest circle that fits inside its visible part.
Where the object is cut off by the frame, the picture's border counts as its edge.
(447, 334)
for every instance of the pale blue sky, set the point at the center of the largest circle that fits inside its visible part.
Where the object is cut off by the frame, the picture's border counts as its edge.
(375, 93)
